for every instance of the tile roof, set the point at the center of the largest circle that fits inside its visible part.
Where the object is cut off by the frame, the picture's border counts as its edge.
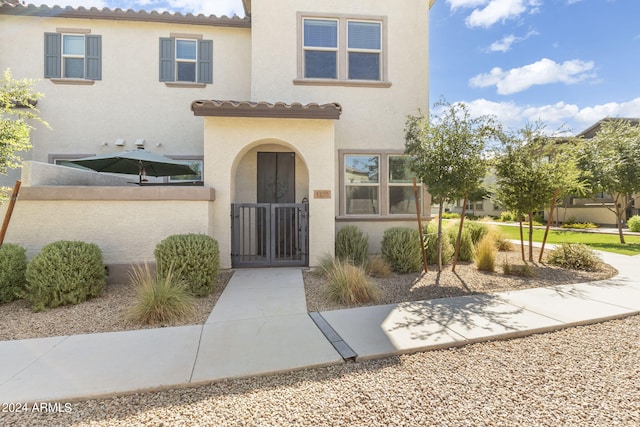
(14, 7)
(294, 110)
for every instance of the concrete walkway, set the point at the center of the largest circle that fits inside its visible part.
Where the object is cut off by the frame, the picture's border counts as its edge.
(260, 325)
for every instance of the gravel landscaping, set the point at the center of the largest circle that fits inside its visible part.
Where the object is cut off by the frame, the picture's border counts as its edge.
(106, 313)
(582, 376)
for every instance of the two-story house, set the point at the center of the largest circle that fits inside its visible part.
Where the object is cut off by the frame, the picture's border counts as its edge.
(294, 116)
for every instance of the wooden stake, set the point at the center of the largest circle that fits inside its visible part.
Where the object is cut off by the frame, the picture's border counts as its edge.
(458, 237)
(549, 222)
(424, 253)
(7, 215)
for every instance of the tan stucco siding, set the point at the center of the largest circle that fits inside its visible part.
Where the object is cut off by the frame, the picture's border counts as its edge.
(129, 102)
(228, 140)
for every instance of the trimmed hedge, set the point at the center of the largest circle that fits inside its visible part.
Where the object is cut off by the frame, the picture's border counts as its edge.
(400, 247)
(64, 272)
(194, 258)
(352, 245)
(13, 268)
(634, 223)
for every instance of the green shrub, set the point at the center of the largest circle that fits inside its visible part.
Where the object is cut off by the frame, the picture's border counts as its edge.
(579, 225)
(400, 247)
(634, 223)
(378, 267)
(507, 216)
(477, 230)
(348, 284)
(13, 267)
(162, 299)
(486, 255)
(64, 272)
(574, 256)
(467, 248)
(195, 258)
(431, 245)
(450, 215)
(352, 245)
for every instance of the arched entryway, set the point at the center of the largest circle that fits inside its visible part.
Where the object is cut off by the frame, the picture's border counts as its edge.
(270, 215)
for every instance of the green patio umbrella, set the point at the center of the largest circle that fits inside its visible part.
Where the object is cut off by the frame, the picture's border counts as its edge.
(135, 162)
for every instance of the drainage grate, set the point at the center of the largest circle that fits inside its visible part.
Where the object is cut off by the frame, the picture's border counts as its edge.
(336, 340)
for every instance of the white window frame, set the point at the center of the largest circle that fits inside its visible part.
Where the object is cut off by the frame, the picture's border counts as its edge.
(361, 50)
(383, 186)
(342, 65)
(72, 56)
(194, 61)
(399, 184)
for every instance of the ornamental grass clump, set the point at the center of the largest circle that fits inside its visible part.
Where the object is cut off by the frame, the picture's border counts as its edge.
(160, 298)
(377, 267)
(353, 245)
(485, 258)
(400, 247)
(64, 272)
(349, 284)
(195, 258)
(13, 268)
(574, 256)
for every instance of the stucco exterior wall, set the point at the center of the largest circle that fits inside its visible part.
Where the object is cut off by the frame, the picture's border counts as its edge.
(229, 139)
(372, 117)
(129, 102)
(126, 223)
(595, 214)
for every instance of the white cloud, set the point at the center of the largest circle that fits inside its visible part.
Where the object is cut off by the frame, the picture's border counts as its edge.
(500, 11)
(459, 4)
(505, 43)
(542, 72)
(514, 116)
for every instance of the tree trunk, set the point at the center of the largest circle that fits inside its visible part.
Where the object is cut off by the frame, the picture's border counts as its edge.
(440, 235)
(530, 236)
(549, 222)
(459, 237)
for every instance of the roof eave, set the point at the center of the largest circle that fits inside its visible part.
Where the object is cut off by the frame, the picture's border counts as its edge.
(281, 110)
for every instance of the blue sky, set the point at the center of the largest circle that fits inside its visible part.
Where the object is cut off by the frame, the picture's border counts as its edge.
(568, 63)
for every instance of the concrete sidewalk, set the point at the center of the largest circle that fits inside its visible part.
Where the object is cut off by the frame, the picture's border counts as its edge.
(260, 325)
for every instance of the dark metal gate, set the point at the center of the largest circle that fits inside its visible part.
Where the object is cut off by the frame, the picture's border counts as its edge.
(269, 234)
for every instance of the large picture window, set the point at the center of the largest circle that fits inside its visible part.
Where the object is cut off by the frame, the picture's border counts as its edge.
(342, 49)
(378, 184)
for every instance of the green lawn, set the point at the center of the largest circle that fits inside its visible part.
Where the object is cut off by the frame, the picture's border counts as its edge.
(602, 242)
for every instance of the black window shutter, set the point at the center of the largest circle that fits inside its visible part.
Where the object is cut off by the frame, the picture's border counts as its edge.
(93, 57)
(52, 56)
(167, 59)
(205, 61)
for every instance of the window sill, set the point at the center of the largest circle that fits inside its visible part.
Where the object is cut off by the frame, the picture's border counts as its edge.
(73, 82)
(185, 85)
(348, 83)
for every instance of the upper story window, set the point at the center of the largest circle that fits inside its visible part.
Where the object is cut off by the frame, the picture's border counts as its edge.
(186, 60)
(342, 50)
(74, 56)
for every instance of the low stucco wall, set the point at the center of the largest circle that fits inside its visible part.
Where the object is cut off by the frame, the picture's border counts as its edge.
(37, 173)
(595, 214)
(375, 229)
(126, 223)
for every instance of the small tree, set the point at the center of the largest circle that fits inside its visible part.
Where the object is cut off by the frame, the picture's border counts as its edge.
(17, 113)
(610, 163)
(447, 154)
(526, 176)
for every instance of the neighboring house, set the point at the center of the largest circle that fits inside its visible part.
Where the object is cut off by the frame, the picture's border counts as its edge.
(596, 210)
(577, 209)
(301, 102)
